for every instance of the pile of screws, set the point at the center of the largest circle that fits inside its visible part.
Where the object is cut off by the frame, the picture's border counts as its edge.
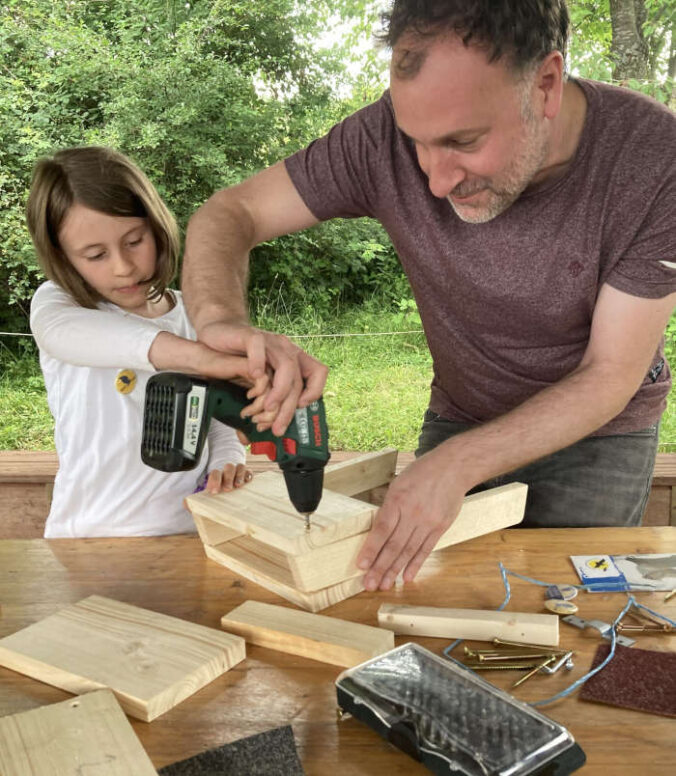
(515, 656)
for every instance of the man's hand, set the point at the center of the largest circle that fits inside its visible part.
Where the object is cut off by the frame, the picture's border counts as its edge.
(420, 505)
(173, 353)
(297, 380)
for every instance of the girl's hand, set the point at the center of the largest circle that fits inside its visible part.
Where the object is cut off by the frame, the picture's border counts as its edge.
(231, 476)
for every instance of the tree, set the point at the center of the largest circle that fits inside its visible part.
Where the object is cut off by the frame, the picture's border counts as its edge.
(630, 42)
(200, 95)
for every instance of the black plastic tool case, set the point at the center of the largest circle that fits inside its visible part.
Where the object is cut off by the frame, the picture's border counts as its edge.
(451, 720)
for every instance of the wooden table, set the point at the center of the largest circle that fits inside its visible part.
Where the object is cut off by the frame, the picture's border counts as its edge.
(269, 689)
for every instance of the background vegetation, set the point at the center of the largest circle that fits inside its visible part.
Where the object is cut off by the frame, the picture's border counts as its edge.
(203, 93)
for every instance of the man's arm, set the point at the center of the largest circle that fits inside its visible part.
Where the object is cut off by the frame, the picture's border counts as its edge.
(215, 277)
(425, 499)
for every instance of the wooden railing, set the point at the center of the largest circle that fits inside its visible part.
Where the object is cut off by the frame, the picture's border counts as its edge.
(27, 478)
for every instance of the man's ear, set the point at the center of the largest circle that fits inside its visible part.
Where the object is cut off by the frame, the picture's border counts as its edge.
(549, 83)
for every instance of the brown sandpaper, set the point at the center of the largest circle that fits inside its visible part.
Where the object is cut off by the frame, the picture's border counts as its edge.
(639, 679)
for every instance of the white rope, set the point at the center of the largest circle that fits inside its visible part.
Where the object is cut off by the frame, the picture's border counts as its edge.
(291, 336)
(357, 334)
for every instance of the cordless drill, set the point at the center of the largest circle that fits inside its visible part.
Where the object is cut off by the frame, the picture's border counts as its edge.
(178, 410)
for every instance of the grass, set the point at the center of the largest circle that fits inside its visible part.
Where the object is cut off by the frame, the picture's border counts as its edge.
(375, 396)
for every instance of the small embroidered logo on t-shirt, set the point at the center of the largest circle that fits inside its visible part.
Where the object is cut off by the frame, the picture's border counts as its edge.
(125, 382)
(575, 268)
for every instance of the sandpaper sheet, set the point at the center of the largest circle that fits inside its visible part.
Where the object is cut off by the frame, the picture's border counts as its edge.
(272, 753)
(639, 679)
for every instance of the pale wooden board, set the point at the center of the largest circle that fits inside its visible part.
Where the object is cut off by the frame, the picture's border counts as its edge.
(150, 661)
(85, 736)
(313, 602)
(331, 564)
(327, 639)
(362, 473)
(479, 624)
(263, 510)
(328, 565)
(484, 512)
(308, 573)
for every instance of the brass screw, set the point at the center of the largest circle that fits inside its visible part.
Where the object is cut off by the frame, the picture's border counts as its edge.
(513, 656)
(499, 642)
(500, 666)
(535, 670)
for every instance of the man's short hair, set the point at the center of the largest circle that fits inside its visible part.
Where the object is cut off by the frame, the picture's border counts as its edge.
(522, 31)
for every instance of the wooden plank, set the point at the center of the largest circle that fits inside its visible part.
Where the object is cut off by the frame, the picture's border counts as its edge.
(23, 509)
(362, 473)
(261, 558)
(150, 661)
(479, 624)
(313, 602)
(331, 564)
(485, 512)
(28, 465)
(307, 573)
(212, 532)
(327, 565)
(658, 508)
(327, 639)
(481, 513)
(262, 510)
(86, 735)
(664, 472)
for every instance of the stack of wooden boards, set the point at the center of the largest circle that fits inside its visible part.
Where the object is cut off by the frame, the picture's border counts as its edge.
(256, 532)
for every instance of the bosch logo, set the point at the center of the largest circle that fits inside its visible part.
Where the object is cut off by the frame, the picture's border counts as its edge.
(317, 430)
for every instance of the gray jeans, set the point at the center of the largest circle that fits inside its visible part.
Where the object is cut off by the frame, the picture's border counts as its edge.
(598, 481)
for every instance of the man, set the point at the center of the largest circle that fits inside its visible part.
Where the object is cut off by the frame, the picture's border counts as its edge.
(533, 215)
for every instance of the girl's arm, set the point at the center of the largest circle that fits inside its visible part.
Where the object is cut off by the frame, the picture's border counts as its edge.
(83, 337)
(102, 338)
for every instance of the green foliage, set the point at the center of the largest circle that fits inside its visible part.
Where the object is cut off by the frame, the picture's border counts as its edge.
(200, 95)
(377, 390)
(591, 43)
(333, 265)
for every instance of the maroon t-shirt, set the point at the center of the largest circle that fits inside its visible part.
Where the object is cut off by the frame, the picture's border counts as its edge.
(507, 305)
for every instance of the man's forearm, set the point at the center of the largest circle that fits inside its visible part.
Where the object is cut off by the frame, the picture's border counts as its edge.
(216, 263)
(553, 419)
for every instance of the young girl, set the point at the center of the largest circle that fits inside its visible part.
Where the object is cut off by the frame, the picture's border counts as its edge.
(104, 322)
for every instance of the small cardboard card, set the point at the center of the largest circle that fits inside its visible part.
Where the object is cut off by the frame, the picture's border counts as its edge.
(608, 573)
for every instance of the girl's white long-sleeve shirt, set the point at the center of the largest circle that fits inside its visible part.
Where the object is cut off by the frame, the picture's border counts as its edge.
(102, 487)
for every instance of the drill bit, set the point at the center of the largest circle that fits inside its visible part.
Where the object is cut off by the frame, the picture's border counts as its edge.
(307, 516)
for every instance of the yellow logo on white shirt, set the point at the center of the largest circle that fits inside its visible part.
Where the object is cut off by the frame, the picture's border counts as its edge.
(125, 382)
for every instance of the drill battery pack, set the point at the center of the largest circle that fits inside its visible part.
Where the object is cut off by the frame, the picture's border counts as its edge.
(452, 721)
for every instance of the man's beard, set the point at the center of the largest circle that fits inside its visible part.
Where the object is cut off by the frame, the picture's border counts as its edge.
(503, 190)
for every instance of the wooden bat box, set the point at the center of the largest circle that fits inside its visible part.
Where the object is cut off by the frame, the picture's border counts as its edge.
(256, 532)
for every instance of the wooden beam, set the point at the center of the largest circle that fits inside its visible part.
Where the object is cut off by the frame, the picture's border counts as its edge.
(327, 639)
(362, 473)
(263, 511)
(150, 661)
(482, 625)
(241, 564)
(89, 734)
(485, 512)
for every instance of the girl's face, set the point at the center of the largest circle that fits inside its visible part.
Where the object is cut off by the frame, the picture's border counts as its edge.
(115, 255)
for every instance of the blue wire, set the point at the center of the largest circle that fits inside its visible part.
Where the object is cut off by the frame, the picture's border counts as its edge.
(613, 636)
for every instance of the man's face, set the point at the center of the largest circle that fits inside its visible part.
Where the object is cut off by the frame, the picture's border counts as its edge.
(478, 136)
